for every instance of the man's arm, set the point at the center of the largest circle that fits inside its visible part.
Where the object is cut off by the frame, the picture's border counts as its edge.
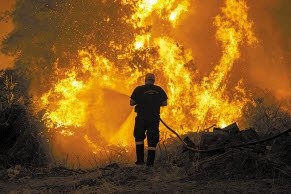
(134, 97)
(165, 103)
(164, 98)
(132, 102)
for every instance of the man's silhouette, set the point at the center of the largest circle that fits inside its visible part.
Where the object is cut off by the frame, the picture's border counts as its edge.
(148, 99)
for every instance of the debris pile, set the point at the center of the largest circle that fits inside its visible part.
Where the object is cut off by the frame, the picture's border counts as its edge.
(234, 153)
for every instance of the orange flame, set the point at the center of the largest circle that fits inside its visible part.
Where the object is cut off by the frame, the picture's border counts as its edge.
(78, 105)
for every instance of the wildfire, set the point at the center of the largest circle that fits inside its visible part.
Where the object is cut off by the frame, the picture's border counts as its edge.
(169, 11)
(181, 8)
(78, 103)
(233, 28)
(141, 41)
(70, 109)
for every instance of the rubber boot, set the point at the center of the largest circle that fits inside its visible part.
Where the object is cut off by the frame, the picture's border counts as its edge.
(151, 157)
(139, 154)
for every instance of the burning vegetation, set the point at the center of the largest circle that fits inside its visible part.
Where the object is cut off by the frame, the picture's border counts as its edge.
(83, 58)
(76, 105)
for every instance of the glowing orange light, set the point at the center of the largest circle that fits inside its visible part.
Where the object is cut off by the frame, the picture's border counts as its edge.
(192, 104)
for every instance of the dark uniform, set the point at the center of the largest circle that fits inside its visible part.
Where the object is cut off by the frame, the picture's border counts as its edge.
(149, 99)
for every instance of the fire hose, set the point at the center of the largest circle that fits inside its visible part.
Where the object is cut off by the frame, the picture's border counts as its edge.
(223, 147)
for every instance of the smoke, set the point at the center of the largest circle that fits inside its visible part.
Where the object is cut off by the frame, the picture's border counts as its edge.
(6, 26)
(266, 65)
(6, 62)
(197, 32)
(269, 63)
(49, 31)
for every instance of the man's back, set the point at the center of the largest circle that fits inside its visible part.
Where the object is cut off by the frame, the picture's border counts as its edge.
(149, 99)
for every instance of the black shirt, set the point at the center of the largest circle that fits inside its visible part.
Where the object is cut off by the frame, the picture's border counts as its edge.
(149, 99)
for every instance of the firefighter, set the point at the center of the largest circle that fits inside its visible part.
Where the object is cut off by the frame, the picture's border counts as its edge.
(147, 100)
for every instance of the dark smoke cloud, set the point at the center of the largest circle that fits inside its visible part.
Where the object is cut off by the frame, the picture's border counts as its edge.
(47, 30)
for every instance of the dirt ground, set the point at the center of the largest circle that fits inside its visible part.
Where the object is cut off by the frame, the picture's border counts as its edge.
(126, 178)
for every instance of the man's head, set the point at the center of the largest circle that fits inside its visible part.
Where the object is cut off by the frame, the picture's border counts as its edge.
(149, 79)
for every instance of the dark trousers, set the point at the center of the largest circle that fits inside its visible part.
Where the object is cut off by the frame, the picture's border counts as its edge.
(147, 127)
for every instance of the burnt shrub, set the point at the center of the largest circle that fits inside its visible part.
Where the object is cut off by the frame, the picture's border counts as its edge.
(21, 139)
(267, 115)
